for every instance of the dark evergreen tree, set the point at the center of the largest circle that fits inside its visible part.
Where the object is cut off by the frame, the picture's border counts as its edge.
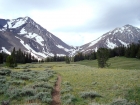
(13, 56)
(10, 61)
(102, 57)
(138, 54)
(92, 56)
(4, 55)
(78, 57)
(67, 60)
(127, 52)
(133, 50)
(1, 58)
(29, 59)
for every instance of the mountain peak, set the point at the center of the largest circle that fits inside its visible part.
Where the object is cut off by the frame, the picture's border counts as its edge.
(127, 25)
(29, 36)
(124, 35)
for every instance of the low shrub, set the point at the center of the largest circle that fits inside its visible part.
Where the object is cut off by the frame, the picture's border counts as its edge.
(2, 77)
(27, 92)
(17, 93)
(5, 72)
(27, 85)
(91, 95)
(26, 70)
(7, 102)
(2, 81)
(43, 85)
(13, 93)
(68, 99)
(23, 75)
(3, 88)
(44, 96)
(17, 82)
(122, 102)
(67, 87)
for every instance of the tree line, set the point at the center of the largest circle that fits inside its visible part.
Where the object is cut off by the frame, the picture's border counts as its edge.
(55, 58)
(103, 54)
(131, 51)
(3, 57)
(58, 59)
(17, 57)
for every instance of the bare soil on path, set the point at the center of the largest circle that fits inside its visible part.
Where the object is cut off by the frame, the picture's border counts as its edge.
(56, 92)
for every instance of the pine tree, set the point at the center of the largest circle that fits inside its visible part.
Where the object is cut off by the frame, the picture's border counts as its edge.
(13, 56)
(102, 57)
(67, 60)
(133, 50)
(10, 61)
(138, 54)
(92, 56)
(30, 58)
(1, 58)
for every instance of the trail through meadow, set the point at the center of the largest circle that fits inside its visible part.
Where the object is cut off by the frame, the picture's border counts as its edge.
(56, 92)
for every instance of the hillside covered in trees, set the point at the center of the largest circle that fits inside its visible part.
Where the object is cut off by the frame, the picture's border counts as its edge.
(131, 51)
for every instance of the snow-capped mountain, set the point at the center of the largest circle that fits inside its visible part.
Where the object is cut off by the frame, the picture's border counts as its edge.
(119, 36)
(26, 34)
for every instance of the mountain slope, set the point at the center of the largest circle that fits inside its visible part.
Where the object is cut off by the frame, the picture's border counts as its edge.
(26, 34)
(119, 36)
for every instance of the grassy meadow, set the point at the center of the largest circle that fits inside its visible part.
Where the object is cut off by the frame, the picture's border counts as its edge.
(116, 63)
(111, 84)
(118, 82)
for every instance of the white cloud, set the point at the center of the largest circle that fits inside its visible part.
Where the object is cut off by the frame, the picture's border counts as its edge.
(74, 16)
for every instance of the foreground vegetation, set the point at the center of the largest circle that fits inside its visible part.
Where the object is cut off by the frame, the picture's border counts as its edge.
(22, 85)
(83, 83)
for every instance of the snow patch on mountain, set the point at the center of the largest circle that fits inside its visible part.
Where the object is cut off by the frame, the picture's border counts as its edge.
(18, 23)
(3, 29)
(96, 49)
(5, 50)
(110, 44)
(38, 38)
(61, 47)
(22, 31)
(60, 55)
(123, 43)
(30, 49)
(15, 23)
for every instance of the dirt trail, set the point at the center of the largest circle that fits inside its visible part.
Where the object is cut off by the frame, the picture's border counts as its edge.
(56, 92)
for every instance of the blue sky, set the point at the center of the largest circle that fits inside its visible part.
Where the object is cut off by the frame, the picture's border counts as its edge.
(76, 22)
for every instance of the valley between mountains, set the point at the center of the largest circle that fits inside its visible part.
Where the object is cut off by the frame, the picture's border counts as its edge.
(74, 82)
(29, 36)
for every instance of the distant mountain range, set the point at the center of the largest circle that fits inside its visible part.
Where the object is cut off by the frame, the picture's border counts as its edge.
(26, 34)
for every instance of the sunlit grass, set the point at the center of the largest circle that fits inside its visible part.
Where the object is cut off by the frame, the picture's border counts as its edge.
(116, 63)
(109, 83)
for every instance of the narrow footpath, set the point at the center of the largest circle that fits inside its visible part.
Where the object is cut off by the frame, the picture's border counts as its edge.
(56, 92)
